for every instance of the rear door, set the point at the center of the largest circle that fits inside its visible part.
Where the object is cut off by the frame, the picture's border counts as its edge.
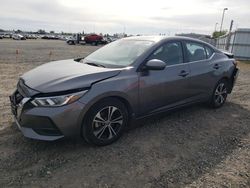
(164, 88)
(203, 69)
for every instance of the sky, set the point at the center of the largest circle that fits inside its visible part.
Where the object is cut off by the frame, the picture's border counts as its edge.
(130, 16)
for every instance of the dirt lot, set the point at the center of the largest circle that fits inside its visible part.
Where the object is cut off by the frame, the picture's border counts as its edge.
(193, 147)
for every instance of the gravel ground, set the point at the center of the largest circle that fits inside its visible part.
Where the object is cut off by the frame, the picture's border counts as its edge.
(192, 147)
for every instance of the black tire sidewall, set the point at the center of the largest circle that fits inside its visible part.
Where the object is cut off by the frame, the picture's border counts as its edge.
(87, 129)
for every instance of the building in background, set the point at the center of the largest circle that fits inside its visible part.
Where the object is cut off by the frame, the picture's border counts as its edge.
(237, 42)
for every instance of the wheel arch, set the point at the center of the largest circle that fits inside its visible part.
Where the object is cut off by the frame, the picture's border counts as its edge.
(225, 78)
(228, 80)
(117, 96)
(122, 99)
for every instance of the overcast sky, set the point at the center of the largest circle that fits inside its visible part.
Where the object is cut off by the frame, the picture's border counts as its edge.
(117, 16)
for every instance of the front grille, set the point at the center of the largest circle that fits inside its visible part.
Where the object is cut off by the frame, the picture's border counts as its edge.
(15, 99)
(18, 97)
(13, 107)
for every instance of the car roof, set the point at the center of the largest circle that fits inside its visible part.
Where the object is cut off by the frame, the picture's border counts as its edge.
(161, 38)
(148, 38)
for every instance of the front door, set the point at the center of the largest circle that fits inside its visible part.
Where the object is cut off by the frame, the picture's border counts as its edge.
(160, 89)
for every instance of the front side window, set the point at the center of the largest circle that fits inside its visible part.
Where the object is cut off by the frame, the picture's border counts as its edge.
(195, 51)
(170, 53)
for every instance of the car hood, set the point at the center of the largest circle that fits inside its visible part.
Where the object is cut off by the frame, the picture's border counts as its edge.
(65, 75)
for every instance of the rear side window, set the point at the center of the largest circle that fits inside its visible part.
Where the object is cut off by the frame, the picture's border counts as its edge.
(195, 51)
(170, 53)
(209, 51)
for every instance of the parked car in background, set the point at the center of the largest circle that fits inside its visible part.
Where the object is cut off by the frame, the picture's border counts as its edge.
(6, 35)
(1, 36)
(96, 97)
(94, 39)
(62, 37)
(71, 40)
(50, 37)
(31, 37)
(109, 39)
(88, 39)
(18, 37)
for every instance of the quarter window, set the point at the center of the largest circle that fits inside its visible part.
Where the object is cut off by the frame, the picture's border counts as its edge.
(195, 51)
(170, 53)
(209, 52)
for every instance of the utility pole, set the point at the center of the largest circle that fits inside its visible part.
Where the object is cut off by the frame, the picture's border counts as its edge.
(231, 26)
(222, 19)
(229, 36)
(215, 27)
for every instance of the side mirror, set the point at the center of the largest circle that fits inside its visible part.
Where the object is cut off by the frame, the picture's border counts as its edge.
(155, 64)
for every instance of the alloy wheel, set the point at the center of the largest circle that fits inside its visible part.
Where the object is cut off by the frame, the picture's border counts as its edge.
(220, 94)
(107, 123)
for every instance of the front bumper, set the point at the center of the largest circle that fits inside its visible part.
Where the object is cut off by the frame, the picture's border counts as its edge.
(30, 133)
(47, 123)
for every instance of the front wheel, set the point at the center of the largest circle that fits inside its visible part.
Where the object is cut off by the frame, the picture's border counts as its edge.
(105, 122)
(219, 94)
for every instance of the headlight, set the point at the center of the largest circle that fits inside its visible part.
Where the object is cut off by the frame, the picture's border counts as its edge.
(58, 100)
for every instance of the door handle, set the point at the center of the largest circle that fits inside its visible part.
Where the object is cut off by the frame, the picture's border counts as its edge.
(183, 73)
(216, 66)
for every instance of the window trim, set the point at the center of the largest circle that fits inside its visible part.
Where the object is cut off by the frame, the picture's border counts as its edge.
(189, 62)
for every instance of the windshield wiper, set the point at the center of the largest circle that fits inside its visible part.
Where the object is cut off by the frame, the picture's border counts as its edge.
(95, 64)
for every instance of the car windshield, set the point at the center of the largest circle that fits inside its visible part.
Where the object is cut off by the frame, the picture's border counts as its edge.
(120, 53)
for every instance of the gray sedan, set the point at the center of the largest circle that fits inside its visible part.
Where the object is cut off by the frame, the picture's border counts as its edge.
(96, 97)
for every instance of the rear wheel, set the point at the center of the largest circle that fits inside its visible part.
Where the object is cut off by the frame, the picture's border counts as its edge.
(220, 94)
(105, 122)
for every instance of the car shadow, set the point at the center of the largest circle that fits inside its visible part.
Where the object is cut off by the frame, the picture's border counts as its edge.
(170, 149)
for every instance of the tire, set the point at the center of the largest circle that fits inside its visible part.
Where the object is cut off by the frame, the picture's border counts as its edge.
(105, 122)
(219, 94)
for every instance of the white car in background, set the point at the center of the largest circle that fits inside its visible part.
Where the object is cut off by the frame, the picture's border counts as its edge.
(18, 37)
